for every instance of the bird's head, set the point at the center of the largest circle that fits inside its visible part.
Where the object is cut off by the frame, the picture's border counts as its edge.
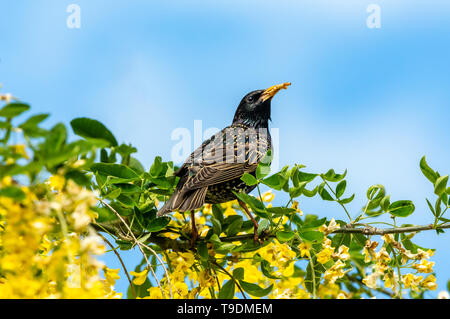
(254, 109)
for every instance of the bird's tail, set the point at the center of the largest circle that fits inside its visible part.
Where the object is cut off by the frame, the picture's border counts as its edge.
(183, 202)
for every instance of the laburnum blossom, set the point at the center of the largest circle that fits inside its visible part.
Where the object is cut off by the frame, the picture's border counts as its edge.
(304, 248)
(52, 236)
(295, 206)
(335, 272)
(342, 253)
(332, 226)
(326, 253)
(267, 196)
(429, 283)
(139, 277)
(412, 281)
(425, 266)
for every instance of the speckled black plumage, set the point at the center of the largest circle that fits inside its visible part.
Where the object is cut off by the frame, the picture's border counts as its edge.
(213, 171)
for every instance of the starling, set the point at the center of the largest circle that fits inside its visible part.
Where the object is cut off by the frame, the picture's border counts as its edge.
(212, 173)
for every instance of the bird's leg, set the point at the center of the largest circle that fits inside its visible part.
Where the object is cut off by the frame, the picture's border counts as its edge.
(255, 224)
(194, 229)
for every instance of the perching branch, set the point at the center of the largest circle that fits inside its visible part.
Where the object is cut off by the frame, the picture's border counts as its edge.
(369, 230)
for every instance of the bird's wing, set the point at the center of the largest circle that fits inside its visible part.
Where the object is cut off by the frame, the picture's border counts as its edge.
(217, 173)
(213, 162)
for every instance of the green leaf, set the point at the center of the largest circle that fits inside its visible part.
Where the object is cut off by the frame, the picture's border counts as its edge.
(216, 226)
(375, 192)
(385, 202)
(280, 210)
(310, 193)
(128, 188)
(257, 206)
(235, 226)
(136, 165)
(13, 109)
(275, 181)
(224, 248)
(440, 185)
(263, 225)
(125, 200)
(296, 191)
(431, 207)
(331, 176)
(238, 273)
(267, 270)
(427, 171)
(340, 188)
(217, 212)
(33, 121)
(249, 179)
(157, 167)
(312, 236)
(255, 290)
(305, 177)
(89, 128)
(158, 224)
(325, 195)
(116, 170)
(313, 268)
(346, 200)
(227, 290)
(263, 168)
(401, 208)
(113, 194)
(313, 223)
(12, 192)
(202, 250)
(284, 236)
(104, 214)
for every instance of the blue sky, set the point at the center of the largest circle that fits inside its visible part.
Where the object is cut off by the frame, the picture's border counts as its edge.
(372, 101)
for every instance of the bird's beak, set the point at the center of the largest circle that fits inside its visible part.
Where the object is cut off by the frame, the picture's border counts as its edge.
(270, 92)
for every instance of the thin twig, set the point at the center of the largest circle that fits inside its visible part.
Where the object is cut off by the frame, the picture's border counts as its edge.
(138, 244)
(121, 262)
(232, 278)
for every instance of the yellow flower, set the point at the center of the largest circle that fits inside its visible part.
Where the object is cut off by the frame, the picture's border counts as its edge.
(20, 150)
(304, 249)
(332, 226)
(207, 209)
(388, 238)
(424, 266)
(411, 281)
(324, 255)
(139, 277)
(155, 293)
(111, 275)
(295, 206)
(369, 250)
(429, 283)
(57, 182)
(371, 280)
(229, 210)
(335, 272)
(391, 280)
(268, 196)
(342, 253)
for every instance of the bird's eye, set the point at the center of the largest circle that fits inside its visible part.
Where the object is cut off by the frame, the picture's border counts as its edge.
(250, 99)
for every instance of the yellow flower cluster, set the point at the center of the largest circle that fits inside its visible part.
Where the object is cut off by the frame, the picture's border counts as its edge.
(382, 263)
(48, 249)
